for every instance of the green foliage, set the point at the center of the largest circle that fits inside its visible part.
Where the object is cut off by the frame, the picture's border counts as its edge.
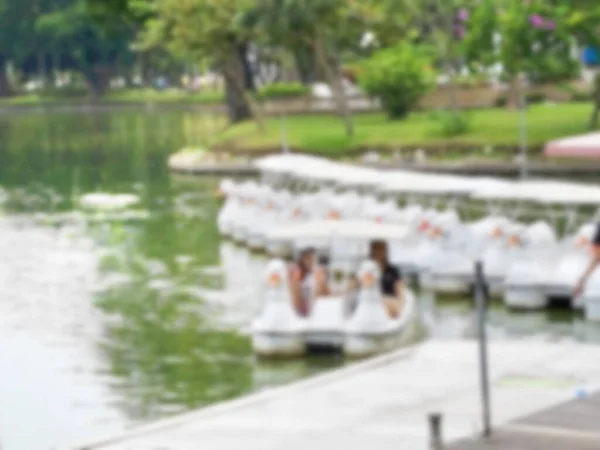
(203, 30)
(283, 90)
(536, 38)
(450, 124)
(399, 77)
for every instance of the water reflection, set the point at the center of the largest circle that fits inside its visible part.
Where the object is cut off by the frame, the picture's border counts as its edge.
(109, 319)
(51, 381)
(457, 319)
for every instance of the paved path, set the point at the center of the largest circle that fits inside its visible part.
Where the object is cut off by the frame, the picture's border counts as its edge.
(383, 403)
(570, 425)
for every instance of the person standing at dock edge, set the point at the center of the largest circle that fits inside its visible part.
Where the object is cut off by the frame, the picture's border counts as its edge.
(594, 263)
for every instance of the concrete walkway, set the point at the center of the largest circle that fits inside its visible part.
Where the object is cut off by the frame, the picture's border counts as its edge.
(383, 403)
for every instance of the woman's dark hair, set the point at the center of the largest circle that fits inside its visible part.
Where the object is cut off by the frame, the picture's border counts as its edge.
(309, 251)
(376, 245)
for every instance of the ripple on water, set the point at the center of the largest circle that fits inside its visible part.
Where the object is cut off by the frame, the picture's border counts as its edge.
(49, 329)
(42, 279)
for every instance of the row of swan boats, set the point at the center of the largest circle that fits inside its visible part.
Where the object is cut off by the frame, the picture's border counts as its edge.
(427, 221)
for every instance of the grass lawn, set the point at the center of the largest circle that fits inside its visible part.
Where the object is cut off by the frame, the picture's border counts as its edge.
(206, 96)
(120, 96)
(168, 95)
(324, 134)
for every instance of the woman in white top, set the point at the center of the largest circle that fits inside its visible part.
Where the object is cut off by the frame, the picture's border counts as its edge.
(308, 280)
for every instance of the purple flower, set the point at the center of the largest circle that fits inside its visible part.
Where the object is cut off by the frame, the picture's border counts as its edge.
(549, 25)
(460, 31)
(536, 21)
(463, 15)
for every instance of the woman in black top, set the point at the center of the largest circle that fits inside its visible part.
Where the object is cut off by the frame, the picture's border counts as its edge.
(391, 285)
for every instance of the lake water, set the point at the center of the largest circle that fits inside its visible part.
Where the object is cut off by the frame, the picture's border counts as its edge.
(108, 321)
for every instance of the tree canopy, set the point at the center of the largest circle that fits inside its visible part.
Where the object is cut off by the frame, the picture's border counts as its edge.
(99, 39)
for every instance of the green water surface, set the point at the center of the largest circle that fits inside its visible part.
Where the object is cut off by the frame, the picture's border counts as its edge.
(108, 321)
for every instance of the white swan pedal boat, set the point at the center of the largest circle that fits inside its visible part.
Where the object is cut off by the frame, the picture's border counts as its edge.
(365, 331)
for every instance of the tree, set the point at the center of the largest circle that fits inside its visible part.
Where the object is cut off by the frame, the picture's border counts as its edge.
(435, 23)
(399, 76)
(211, 31)
(321, 27)
(532, 39)
(82, 45)
(17, 36)
(582, 23)
(110, 15)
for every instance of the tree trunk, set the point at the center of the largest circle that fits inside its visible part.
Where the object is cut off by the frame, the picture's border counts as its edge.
(304, 61)
(447, 13)
(335, 82)
(240, 103)
(238, 109)
(5, 88)
(98, 79)
(513, 94)
(593, 124)
(249, 84)
(452, 88)
(144, 69)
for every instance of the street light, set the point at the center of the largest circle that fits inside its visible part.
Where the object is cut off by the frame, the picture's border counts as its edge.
(523, 126)
(284, 142)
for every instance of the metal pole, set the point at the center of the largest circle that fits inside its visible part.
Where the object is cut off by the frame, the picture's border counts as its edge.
(480, 301)
(284, 143)
(523, 130)
(435, 431)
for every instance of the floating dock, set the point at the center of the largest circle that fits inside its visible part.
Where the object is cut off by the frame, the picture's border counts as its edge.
(384, 403)
(493, 168)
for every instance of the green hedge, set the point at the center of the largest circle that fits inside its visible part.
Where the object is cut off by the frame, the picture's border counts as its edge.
(283, 90)
(532, 98)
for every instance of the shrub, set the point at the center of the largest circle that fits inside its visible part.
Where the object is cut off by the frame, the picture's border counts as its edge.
(283, 90)
(450, 124)
(577, 95)
(581, 97)
(500, 101)
(531, 98)
(399, 77)
(72, 91)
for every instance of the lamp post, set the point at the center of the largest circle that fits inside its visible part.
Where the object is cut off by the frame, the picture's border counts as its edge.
(481, 306)
(523, 126)
(284, 142)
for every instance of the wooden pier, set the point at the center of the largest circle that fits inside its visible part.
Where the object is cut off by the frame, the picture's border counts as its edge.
(540, 400)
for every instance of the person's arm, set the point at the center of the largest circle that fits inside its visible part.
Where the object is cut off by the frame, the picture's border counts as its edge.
(395, 304)
(398, 284)
(296, 289)
(322, 284)
(594, 262)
